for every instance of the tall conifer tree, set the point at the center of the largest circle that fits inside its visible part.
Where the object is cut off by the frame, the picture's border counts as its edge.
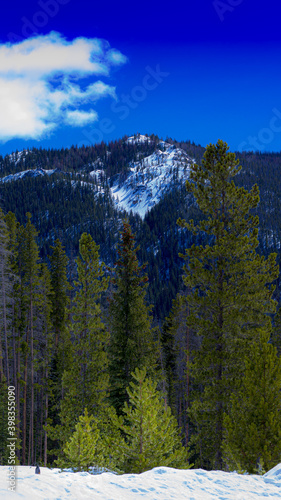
(16, 312)
(60, 325)
(60, 288)
(132, 344)
(31, 283)
(229, 296)
(44, 357)
(5, 300)
(86, 379)
(253, 425)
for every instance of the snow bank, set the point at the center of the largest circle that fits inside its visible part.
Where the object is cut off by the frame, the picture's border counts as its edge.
(161, 483)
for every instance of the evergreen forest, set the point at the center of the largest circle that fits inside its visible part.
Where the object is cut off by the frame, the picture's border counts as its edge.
(138, 342)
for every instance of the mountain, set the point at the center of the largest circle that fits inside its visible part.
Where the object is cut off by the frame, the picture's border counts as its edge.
(148, 178)
(93, 188)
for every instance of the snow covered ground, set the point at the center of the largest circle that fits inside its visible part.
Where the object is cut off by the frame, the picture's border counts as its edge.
(161, 483)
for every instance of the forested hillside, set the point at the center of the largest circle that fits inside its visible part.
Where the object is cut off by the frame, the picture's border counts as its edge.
(160, 315)
(64, 200)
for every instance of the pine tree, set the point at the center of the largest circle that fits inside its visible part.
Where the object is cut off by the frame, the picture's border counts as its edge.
(43, 361)
(60, 326)
(60, 287)
(86, 379)
(230, 297)
(178, 341)
(132, 341)
(85, 447)
(276, 333)
(96, 442)
(5, 300)
(151, 431)
(253, 424)
(30, 279)
(17, 312)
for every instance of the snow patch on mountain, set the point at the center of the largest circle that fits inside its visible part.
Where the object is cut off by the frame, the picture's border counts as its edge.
(18, 155)
(27, 173)
(98, 175)
(150, 178)
(138, 139)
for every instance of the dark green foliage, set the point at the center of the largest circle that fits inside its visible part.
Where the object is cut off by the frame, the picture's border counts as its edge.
(66, 204)
(30, 282)
(179, 342)
(276, 333)
(63, 208)
(61, 287)
(60, 326)
(85, 380)
(253, 424)
(5, 300)
(229, 295)
(131, 342)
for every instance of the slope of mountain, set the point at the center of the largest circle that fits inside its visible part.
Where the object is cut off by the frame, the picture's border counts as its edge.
(148, 179)
(27, 173)
(93, 188)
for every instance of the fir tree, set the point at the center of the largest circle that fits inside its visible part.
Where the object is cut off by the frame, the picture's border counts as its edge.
(30, 279)
(44, 357)
(178, 341)
(96, 442)
(276, 333)
(60, 326)
(85, 447)
(253, 424)
(5, 300)
(132, 344)
(151, 431)
(86, 379)
(17, 312)
(61, 287)
(230, 297)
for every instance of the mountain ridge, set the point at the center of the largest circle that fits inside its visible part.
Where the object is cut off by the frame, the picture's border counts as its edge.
(81, 196)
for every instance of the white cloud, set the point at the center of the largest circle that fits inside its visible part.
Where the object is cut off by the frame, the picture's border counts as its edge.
(81, 118)
(37, 89)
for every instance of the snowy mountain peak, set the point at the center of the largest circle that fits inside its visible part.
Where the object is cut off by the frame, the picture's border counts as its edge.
(138, 188)
(138, 139)
(150, 178)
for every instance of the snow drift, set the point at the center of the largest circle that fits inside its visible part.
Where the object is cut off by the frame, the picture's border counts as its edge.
(161, 483)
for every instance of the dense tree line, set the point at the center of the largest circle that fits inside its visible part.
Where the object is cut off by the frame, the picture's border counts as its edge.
(64, 206)
(100, 381)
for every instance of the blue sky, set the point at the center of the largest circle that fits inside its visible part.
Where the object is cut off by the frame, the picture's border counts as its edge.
(78, 72)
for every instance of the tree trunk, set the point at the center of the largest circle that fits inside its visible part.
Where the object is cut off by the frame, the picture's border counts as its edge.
(24, 407)
(32, 379)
